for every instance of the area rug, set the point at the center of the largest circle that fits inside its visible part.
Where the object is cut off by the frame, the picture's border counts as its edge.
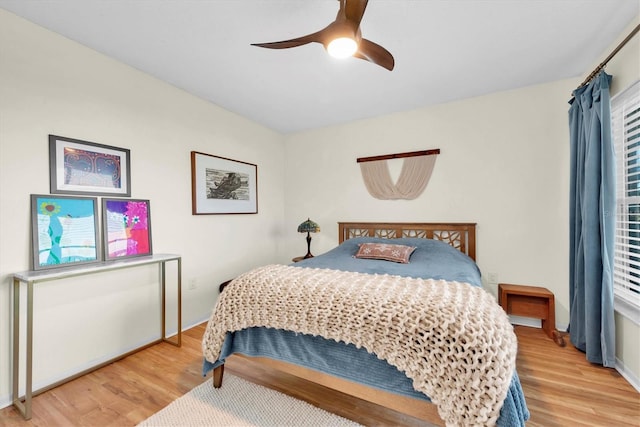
(241, 403)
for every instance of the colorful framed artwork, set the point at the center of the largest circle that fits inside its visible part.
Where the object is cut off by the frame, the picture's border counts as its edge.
(82, 167)
(222, 186)
(64, 231)
(126, 225)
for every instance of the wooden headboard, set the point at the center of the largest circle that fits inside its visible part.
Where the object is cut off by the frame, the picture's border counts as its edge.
(461, 236)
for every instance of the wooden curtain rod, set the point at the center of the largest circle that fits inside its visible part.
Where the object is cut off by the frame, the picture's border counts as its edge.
(398, 155)
(611, 55)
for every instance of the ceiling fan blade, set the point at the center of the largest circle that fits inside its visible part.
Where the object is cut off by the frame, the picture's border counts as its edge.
(299, 41)
(372, 52)
(347, 23)
(354, 10)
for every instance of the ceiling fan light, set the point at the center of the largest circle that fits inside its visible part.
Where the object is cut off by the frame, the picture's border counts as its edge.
(342, 47)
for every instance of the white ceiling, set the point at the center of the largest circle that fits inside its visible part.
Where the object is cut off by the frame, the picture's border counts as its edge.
(444, 49)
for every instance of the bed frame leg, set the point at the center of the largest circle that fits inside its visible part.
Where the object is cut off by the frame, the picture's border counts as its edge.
(218, 373)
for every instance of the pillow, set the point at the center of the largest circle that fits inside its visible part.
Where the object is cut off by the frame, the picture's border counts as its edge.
(386, 252)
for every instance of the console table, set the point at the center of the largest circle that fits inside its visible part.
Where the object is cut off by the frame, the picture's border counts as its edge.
(23, 403)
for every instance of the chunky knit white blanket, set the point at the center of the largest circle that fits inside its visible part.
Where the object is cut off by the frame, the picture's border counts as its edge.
(452, 339)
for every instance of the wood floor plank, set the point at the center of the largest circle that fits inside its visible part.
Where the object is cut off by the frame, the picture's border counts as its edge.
(561, 388)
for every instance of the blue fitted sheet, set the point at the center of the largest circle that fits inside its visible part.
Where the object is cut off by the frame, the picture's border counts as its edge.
(431, 259)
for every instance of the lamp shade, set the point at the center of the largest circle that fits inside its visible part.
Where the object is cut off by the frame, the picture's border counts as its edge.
(308, 227)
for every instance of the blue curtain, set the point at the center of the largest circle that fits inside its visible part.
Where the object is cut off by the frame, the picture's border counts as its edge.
(592, 222)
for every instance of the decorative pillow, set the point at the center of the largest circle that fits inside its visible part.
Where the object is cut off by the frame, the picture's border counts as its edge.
(386, 252)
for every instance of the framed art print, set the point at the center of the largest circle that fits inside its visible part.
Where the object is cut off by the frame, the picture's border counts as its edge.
(64, 231)
(82, 167)
(222, 186)
(126, 225)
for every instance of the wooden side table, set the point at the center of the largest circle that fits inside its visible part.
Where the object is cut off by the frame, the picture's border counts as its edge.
(531, 301)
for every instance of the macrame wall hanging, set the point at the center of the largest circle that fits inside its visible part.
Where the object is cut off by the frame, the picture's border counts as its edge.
(414, 175)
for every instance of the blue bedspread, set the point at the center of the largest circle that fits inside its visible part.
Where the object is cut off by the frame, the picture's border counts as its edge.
(431, 259)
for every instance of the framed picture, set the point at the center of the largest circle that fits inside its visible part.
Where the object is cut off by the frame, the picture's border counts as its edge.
(82, 167)
(126, 228)
(223, 186)
(64, 231)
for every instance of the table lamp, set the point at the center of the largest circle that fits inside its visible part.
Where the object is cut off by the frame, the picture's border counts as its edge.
(308, 227)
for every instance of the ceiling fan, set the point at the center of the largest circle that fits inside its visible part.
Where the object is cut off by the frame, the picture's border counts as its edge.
(343, 38)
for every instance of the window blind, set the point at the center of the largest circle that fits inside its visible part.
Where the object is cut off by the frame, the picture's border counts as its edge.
(625, 121)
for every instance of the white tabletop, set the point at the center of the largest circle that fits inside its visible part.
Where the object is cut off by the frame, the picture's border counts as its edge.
(62, 272)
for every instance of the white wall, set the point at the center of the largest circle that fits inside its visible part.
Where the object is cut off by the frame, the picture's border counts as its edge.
(50, 85)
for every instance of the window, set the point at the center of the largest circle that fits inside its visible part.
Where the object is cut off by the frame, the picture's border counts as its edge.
(625, 124)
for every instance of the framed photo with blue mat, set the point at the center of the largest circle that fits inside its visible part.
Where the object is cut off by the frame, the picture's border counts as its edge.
(64, 231)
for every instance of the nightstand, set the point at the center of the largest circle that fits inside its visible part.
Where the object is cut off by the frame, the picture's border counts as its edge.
(531, 301)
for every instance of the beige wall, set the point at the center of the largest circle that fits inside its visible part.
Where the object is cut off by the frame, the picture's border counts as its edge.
(502, 164)
(50, 85)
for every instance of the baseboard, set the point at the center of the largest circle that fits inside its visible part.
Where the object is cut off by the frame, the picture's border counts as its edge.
(196, 323)
(628, 375)
(525, 321)
(6, 400)
(533, 323)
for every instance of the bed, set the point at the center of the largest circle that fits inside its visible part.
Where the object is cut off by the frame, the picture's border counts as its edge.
(421, 337)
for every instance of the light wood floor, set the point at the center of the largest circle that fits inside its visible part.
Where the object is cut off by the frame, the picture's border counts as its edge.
(561, 389)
